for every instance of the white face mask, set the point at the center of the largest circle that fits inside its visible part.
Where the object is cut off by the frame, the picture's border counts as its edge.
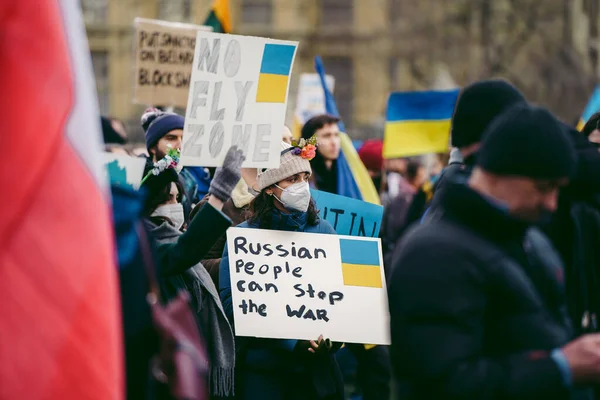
(295, 197)
(172, 211)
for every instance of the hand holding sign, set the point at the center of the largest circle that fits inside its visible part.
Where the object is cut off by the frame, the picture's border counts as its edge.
(227, 176)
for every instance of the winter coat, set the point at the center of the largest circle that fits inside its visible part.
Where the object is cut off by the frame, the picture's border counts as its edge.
(179, 259)
(477, 306)
(575, 232)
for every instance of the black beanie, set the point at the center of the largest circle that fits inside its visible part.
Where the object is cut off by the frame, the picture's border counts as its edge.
(527, 141)
(477, 105)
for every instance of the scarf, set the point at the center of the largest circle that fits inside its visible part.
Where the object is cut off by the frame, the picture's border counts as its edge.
(214, 325)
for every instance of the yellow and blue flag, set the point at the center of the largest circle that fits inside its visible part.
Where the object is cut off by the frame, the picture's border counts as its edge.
(418, 123)
(219, 17)
(361, 265)
(593, 106)
(274, 73)
(353, 179)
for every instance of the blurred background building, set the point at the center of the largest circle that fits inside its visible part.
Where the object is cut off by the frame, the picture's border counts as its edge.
(548, 48)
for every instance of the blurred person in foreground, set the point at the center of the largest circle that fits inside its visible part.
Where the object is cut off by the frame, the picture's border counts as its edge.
(575, 230)
(477, 295)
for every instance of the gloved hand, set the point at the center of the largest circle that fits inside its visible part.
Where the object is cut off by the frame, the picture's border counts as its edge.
(319, 347)
(227, 176)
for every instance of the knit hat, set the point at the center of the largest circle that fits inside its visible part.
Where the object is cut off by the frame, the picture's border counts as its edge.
(527, 141)
(291, 164)
(158, 123)
(477, 105)
(371, 154)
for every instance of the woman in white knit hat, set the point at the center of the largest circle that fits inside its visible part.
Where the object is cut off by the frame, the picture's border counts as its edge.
(284, 369)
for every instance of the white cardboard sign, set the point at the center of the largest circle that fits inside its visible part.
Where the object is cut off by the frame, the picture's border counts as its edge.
(238, 96)
(164, 53)
(294, 285)
(311, 99)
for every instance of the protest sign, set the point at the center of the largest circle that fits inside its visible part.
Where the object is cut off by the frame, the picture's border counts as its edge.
(295, 285)
(238, 96)
(349, 216)
(311, 99)
(124, 170)
(164, 54)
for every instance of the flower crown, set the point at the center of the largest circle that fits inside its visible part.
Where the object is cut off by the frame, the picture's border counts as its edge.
(305, 148)
(170, 161)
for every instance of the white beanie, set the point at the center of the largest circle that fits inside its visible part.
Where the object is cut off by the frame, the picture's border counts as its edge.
(291, 164)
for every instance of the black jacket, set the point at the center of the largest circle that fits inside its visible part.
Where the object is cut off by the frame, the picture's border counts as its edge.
(575, 233)
(477, 305)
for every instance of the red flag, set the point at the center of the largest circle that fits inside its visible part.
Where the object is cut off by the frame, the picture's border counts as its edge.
(60, 335)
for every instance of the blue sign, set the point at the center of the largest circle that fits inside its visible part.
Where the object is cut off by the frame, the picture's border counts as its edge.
(349, 216)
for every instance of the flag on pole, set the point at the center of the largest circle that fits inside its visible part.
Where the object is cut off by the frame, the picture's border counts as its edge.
(593, 106)
(418, 122)
(353, 179)
(219, 17)
(61, 325)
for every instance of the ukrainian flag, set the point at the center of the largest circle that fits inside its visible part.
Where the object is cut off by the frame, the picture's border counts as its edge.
(418, 123)
(275, 73)
(592, 107)
(353, 180)
(219, 17)
(361, 265)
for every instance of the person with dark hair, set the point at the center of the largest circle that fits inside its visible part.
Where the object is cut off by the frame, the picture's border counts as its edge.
(325, 128)
(179, 256)
(476, 295)
(283, 369)
(591, 129)
(164, 131)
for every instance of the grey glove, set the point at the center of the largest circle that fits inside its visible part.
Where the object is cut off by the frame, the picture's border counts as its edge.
(227, 176)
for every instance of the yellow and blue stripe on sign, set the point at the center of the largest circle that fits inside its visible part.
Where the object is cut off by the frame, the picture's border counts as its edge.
(274, 73)
(361, 265)
(418, 122)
